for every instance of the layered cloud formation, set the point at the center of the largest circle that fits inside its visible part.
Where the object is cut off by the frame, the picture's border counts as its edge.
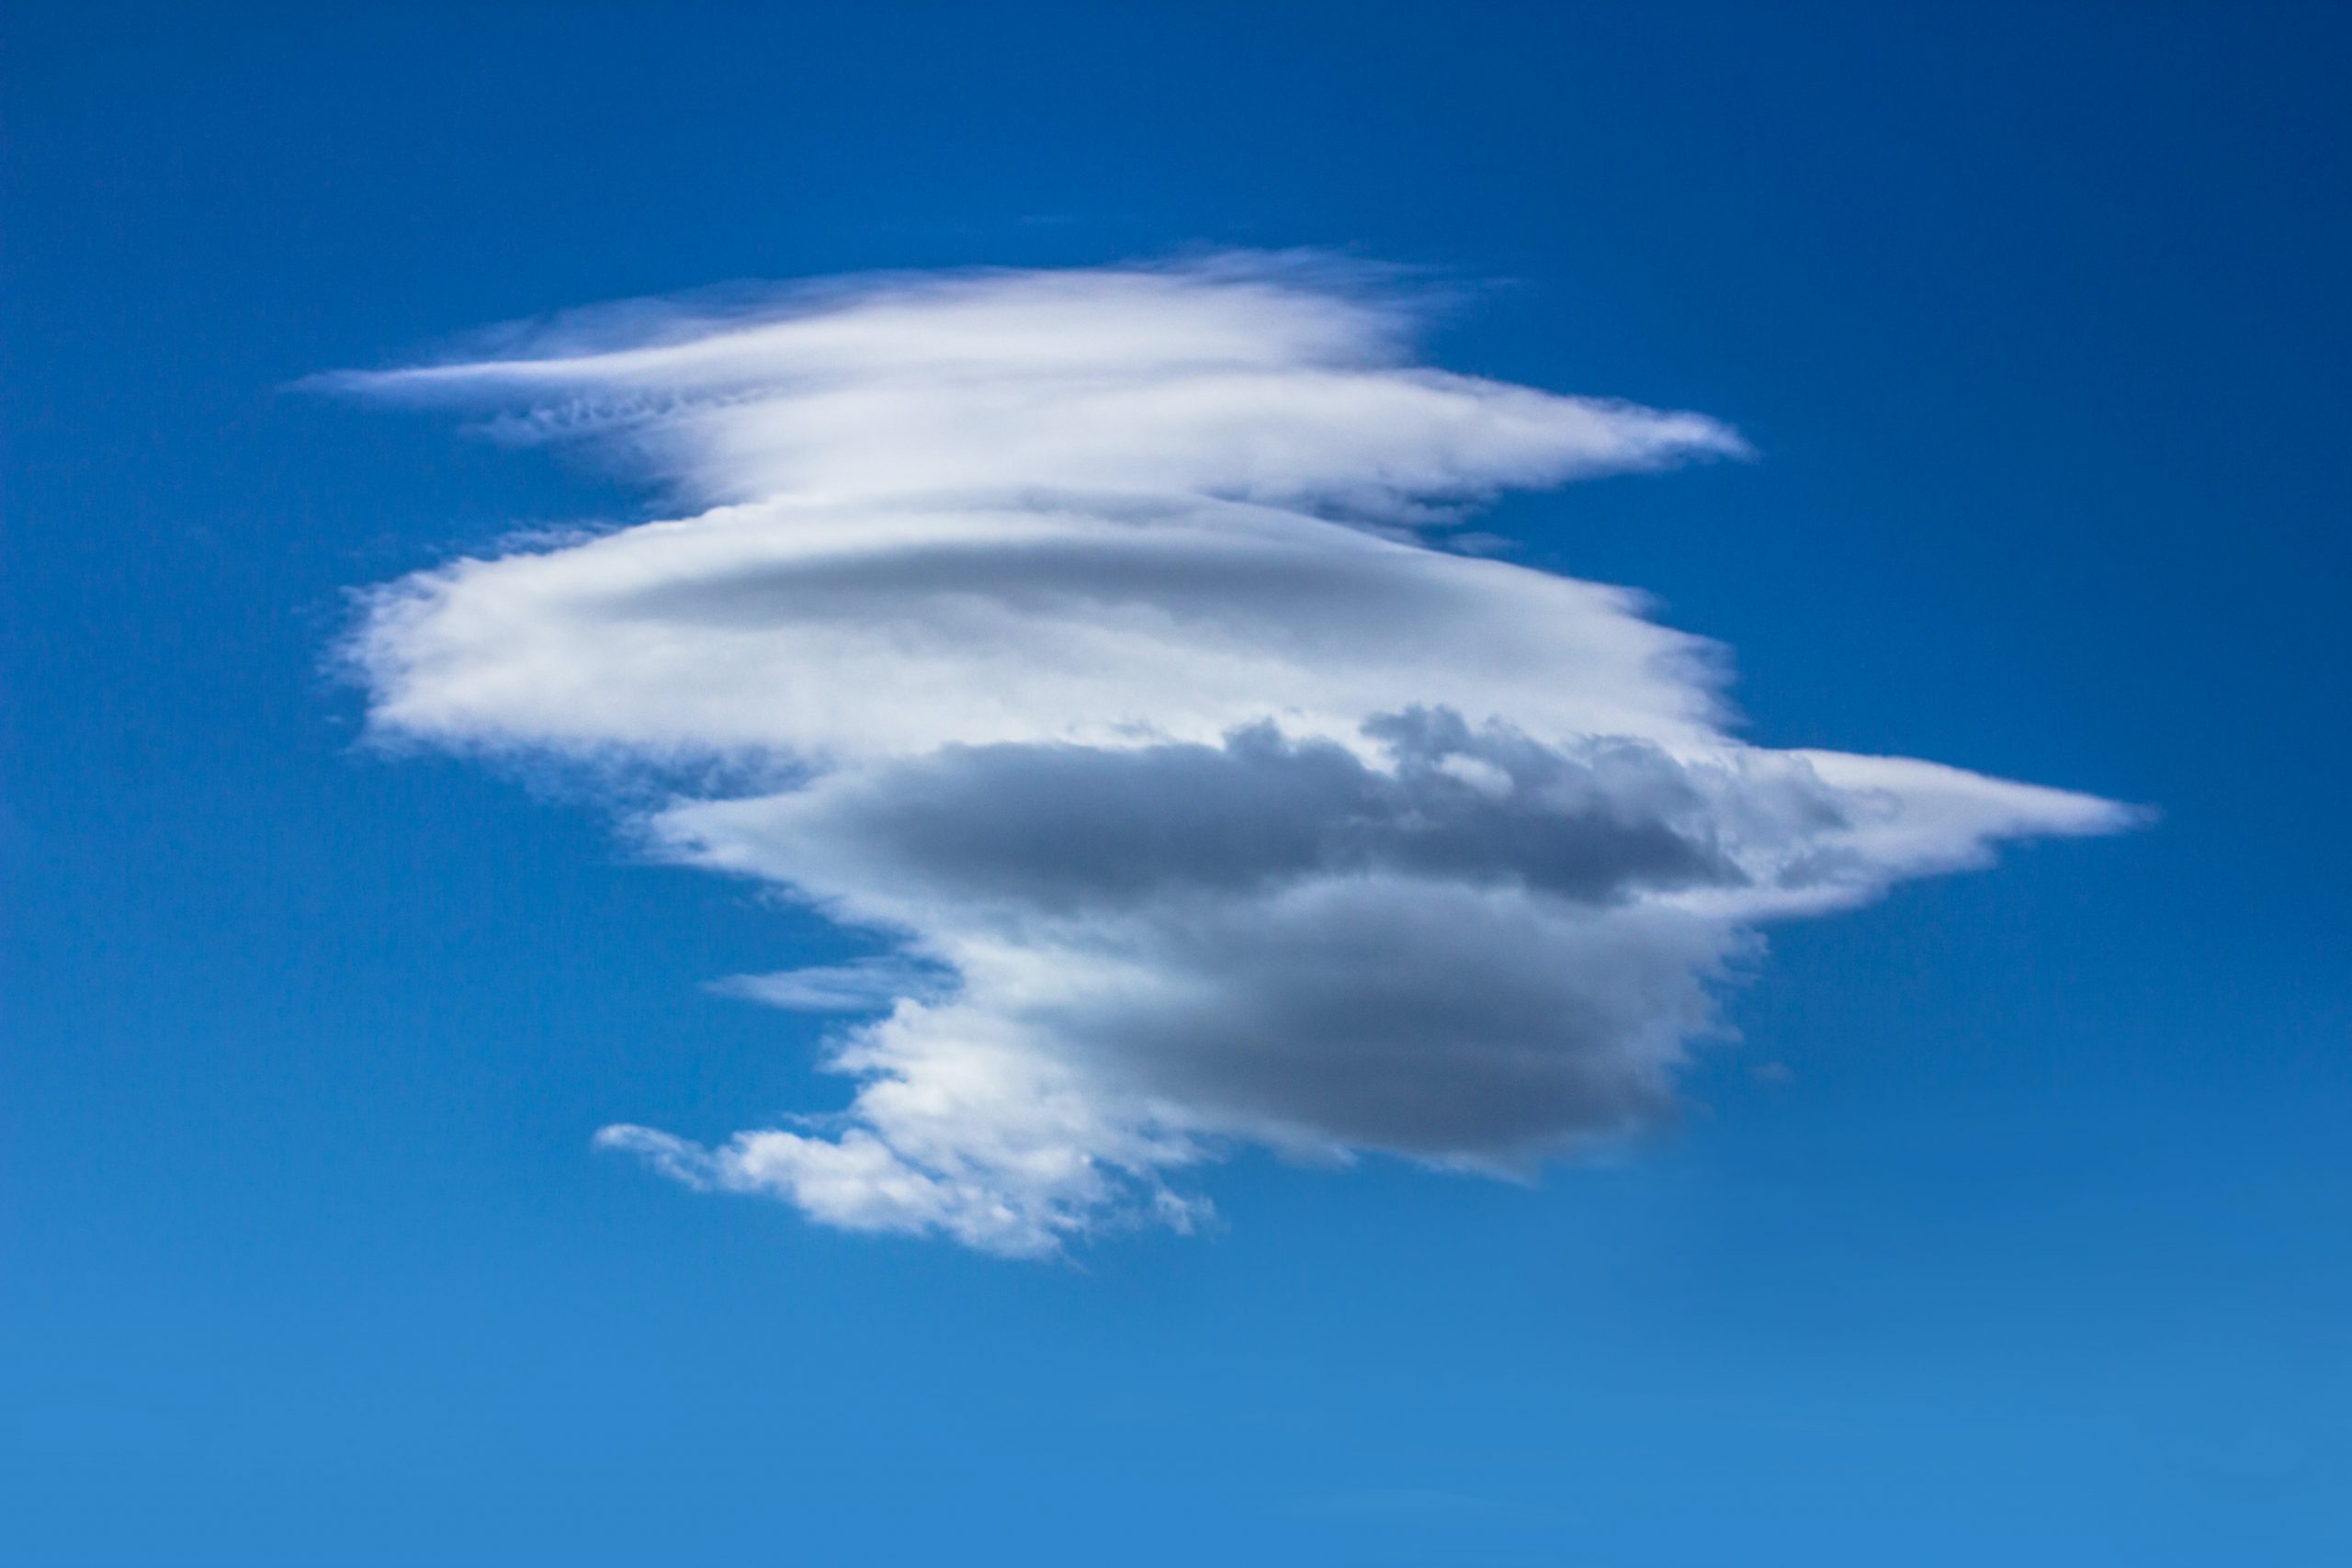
(1092, 639)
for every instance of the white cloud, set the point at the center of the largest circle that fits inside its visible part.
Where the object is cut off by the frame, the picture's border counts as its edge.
(1082, 628)
(865, 985)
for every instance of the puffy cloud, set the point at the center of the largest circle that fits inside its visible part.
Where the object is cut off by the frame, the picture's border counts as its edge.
(1083, 635)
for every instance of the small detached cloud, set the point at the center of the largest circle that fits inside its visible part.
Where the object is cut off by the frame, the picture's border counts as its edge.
(1099, 621)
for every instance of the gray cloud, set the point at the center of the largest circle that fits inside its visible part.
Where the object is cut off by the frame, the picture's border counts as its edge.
(1067, 828)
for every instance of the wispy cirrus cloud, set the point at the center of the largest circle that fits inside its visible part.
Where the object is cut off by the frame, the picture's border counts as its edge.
(1093, 631)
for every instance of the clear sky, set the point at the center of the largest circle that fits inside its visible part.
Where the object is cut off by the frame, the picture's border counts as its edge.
(2010, 1227)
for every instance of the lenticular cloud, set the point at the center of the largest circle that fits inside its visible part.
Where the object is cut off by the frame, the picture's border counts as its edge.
(1092, 639)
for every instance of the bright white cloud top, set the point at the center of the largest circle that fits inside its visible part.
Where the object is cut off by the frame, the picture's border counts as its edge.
(1082, 630)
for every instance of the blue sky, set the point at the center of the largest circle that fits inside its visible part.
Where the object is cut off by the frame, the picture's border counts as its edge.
(2028, 1244)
